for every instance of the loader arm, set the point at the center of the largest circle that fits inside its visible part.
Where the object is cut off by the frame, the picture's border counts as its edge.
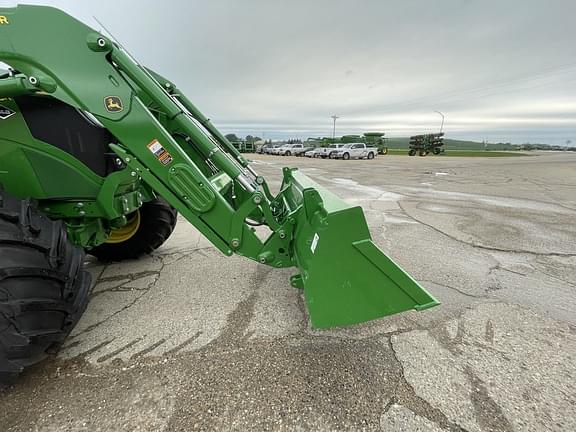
(163, 141)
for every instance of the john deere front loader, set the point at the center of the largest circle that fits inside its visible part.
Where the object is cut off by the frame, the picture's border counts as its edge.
(99, 153)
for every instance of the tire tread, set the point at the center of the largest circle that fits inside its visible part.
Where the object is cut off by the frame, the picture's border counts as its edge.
(43, 288)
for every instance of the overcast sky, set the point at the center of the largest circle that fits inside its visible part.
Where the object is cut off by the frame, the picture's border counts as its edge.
(500, 70)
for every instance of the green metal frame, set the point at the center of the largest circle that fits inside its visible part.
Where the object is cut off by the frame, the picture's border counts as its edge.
(167, 147)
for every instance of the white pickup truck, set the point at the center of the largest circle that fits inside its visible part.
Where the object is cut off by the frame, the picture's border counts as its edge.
(289, 149)
(355, 151)
(328, 152)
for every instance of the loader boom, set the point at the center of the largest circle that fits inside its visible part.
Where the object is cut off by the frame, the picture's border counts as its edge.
(164, 146)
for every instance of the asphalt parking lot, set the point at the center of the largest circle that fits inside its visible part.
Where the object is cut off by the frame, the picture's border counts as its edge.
(188, 339)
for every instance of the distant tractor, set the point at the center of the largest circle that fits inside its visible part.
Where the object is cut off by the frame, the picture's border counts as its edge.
(376, 139)
(425, 144)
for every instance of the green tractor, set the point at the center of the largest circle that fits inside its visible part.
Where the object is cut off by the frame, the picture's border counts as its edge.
(98, 154)
(376, 139)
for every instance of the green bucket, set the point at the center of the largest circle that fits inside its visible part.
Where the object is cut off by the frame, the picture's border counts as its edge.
(346, 278)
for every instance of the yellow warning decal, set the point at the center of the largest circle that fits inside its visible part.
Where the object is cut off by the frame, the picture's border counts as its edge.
(160, 152)
(4, 19)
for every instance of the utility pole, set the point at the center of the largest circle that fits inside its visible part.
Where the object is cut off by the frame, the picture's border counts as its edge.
(442, 124)
(334, 117)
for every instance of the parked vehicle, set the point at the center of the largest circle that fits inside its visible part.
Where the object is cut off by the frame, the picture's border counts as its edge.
(302, 151)
(355, 151)
(289, 149)
(315, 152)
(263, 148)
(272, 149)
(330, 151)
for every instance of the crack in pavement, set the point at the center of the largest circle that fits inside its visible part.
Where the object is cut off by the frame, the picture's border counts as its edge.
(404, 394)
(455, 289)
(484, 247)
(125, 279)
(131, 278)
(127, 306)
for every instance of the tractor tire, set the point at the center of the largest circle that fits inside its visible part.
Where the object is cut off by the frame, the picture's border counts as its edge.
(346, 156)
(437, 151)
(43, 289)
(412, 152)
(156, 221)
(370, 155)
(384, 151)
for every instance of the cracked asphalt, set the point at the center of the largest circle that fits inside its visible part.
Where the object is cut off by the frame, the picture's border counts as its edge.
(188, 339)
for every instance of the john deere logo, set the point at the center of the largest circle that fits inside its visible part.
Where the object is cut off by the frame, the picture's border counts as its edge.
(113, 104)
(5, 112)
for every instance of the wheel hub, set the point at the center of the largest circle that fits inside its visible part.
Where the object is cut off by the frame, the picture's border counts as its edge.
(126, 232)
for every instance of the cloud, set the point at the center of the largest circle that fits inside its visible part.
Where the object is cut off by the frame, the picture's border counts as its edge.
(495, 68)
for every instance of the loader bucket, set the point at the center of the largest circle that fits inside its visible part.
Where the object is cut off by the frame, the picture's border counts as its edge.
(346, 278)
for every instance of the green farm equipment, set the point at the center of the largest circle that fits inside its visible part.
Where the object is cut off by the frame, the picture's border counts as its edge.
(376, 139)
(98, 154)
(243, 146)
(426, 144)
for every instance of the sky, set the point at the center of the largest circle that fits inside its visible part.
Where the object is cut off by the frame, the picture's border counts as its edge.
(500, 71)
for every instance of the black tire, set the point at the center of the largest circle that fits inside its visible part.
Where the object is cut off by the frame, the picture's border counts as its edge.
(288, 153)
(436, 150)
(43, 289)
(384, 151)
(370, 155)
(412, 152)
(157, 221)
(346, 156)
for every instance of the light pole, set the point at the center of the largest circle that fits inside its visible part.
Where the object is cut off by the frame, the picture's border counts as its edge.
(442, 124)
(334, 117)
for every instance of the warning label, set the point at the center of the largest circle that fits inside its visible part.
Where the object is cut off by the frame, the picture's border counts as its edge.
(160, 152)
